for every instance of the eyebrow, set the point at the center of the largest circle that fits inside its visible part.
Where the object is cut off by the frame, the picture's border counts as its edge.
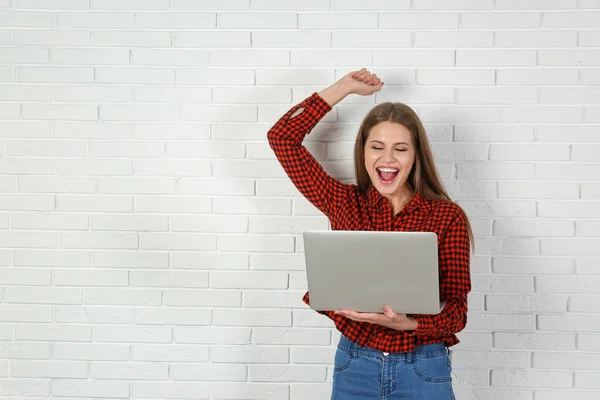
(379, 141)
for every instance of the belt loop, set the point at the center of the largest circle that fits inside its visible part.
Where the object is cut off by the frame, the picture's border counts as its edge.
(409, 357)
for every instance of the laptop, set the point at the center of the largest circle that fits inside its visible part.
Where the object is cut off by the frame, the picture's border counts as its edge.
(365, 270)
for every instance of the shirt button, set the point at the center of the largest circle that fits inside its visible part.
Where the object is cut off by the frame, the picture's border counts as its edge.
(386, 354)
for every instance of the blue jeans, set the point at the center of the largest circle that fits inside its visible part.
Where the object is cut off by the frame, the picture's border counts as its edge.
(365, 373)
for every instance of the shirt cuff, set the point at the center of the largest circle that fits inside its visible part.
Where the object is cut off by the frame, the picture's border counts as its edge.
(315, 108)
(425, 325)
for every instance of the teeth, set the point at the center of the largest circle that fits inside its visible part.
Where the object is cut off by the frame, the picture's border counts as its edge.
(388, 169)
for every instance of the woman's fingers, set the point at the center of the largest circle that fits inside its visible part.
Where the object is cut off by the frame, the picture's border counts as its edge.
(373, 80)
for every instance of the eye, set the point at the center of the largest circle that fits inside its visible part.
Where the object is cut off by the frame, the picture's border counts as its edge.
(400, 149)
(377, 148)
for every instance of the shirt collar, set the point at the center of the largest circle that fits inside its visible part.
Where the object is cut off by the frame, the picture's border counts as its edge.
(418, 202)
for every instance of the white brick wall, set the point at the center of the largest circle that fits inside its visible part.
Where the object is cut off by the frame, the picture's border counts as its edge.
(150, 244)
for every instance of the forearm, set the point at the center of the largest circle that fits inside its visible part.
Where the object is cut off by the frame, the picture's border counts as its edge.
(334, 93)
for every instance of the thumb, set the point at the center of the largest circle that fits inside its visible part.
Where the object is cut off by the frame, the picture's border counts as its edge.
(388, 312)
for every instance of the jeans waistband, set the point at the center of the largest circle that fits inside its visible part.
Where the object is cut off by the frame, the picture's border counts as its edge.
(420, 352)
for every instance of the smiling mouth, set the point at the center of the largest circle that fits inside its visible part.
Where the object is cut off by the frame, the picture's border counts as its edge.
(387, 175)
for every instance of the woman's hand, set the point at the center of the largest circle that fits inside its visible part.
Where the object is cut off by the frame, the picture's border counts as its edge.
(360, 82)
(388, 319)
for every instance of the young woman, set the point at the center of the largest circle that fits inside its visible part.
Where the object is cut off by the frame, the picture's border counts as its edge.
(385, 355)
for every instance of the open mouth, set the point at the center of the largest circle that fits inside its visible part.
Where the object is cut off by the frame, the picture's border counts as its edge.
(387, 175)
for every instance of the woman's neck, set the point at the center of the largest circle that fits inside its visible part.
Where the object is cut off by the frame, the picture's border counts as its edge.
(401, 198)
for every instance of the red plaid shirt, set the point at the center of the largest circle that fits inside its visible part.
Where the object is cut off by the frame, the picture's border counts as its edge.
(348, 209)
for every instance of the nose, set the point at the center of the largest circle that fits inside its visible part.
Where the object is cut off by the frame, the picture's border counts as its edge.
(388, 155)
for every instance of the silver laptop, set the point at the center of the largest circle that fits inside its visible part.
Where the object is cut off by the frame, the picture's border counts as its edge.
(365, 270)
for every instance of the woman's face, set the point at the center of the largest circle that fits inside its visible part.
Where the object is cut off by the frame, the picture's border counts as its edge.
(389, 158)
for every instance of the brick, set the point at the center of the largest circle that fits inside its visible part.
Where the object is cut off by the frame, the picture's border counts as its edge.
(176, 20)
(28, 93)
(90, 352)
(569, 57)
(539, 76)
(26, 19)
(130, 5)
(567, 171)
(44, 221)
(132, 334)
(48, 369)
(258, 391)
(488, 359)
(374, 39)
(536, 39)
(51, 4)
(130, 371)
(75, 112)
(90, 388)
(205, 5)
(128, 149)
(172, 316)
(559, 379)
(215, 77)
(542, 114)
(532, 266)
(89, 130)
(497, 95)
(585, 153)
(538, 190)
(138, 38)
(42, 295)
(40, 37)
(495, 58)
(94, 203)
(499, 21)
(331, 58)
(381, 5)
(25, 313)
(418, 20)
(208, 39)
(93, 315)
(535, 4)
(258, 243)
(570, 285)
(202, 298)
(568, 361)
(258, 20)
(24, 56)
(526, 303)
(252, 318)
(413, 58)
(590, 191)
(229, 373)
(90, 278)
(578, 209)
(534, 341)
(116, 296)
(54, 332)
(454, 39)
(169, 353)
(102, 20)
(584, 304)
(259, 373)
(138, 186)
(89, 56)
(260, 58)
(251, 354)
(212, 335)
(96, 93)
(334, 20)
(135, 259)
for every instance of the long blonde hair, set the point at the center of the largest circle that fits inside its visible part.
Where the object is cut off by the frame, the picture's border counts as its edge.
(423, 177)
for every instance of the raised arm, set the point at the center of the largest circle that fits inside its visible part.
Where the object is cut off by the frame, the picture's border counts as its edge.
(287, 135)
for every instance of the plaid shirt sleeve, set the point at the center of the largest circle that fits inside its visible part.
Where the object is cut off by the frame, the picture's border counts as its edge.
(455, 283)
(309, 177)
